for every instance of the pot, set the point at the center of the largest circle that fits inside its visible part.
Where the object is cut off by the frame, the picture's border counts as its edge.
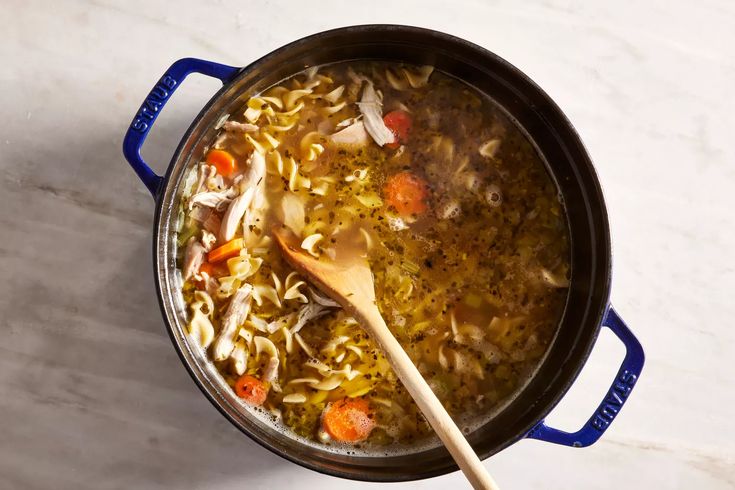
(587, 308)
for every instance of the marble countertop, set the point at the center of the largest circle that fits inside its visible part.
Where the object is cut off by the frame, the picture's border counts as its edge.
(92, 394)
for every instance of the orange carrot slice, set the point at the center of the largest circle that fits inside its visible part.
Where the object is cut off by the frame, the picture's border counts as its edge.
(400, 123)
(251, 389)
(407, 193)
(226, 251)
(223, 161)
(348, 420)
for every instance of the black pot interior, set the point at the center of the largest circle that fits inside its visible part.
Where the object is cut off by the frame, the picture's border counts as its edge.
(568, 163)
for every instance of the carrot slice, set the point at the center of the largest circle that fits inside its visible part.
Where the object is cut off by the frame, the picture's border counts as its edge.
(348, 420)
(407, 193)
(223, 161)
(251, 389)
(226, 251)
(400, 123)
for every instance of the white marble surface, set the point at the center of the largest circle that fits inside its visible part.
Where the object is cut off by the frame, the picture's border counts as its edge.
(92, 395)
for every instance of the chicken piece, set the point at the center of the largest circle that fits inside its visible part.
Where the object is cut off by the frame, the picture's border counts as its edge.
(319, 307)
(348, 122)
(212, 223)
(317, 297)
(371, 108)
(308, 312)
(214, 193)
(354, 134)
(210, 199)
(205, 172)
(250, 185)
(216, 183)
(255, 174)
(200, 214)
(239, 127)
(193, 257)
(208, 240)
(236, 313)
(274, 325)
(234, 214)
(253, 215)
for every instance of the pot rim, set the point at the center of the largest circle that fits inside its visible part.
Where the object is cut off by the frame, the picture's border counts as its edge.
(166, 195)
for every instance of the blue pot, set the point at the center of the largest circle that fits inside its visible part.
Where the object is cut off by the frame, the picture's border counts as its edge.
(587, 309)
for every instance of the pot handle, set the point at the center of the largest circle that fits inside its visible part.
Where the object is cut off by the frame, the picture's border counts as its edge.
(152, 106)
(616, 396)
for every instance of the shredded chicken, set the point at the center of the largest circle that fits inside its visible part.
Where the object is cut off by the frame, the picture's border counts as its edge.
(208, 240)
(240, 127)
(205, 172)
(353, 134)
(200, 214)
(308, 312)
(213, 223)
(256, 179)
(256, 170)
(322, 300)
(275, 325)
(217, 199)
(371, 108)
(193, 257)
(234, 214)
(250, 185)
(210, 199)
(348, 122)
(252, 215)
(236, 313)
(216, 183)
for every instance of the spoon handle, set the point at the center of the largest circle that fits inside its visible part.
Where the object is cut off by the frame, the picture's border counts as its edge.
(427, 402)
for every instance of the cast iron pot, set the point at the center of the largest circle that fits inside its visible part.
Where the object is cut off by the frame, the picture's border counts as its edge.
(569, 164)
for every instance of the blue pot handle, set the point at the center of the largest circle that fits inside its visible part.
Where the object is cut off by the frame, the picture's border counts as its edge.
(152, 105)
(616, 396)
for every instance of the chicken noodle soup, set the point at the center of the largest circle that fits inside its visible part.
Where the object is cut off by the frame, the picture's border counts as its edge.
(434, 184)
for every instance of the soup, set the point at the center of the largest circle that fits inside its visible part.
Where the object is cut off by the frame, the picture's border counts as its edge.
(433, 183)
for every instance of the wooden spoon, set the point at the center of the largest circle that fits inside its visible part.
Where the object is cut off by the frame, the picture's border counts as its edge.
(349, 282)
